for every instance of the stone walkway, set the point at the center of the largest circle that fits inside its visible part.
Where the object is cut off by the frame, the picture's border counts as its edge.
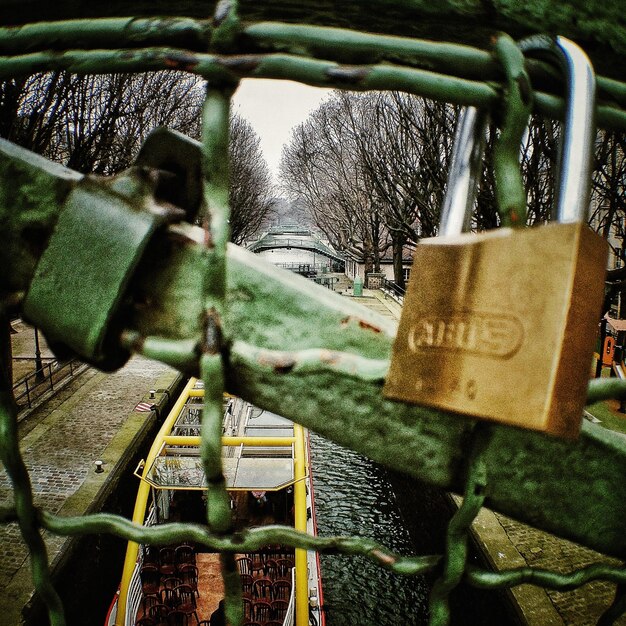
(92, 418)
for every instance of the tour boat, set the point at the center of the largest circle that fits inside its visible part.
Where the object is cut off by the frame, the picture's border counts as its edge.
(266, 465)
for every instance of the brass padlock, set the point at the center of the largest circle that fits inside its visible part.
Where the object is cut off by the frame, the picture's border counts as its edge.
(501, 325)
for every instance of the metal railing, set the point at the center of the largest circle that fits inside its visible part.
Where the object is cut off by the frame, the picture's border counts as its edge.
(307, 269)
(393, 290)
(135, 593)
(36, 384)
(326, 281)
(303, 243)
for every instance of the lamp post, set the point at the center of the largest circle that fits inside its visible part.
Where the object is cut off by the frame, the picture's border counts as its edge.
(38, 363)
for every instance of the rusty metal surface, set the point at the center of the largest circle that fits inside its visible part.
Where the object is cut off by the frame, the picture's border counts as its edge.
(275, 319)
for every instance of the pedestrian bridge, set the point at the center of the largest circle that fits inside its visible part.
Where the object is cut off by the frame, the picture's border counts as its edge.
(288, 237)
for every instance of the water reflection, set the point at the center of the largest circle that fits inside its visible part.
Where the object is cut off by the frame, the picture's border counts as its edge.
(354, 497)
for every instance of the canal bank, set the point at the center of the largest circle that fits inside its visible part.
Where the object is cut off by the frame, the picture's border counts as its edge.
(96, 417)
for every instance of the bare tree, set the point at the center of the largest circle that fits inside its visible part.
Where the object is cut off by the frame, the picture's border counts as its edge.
(609, 187)
(380, 161)
(110, 116)
(98, 123)
(407, 152)
(32, 109)
(538, 157)
(251, 189)
(321, 168)
(371, 168)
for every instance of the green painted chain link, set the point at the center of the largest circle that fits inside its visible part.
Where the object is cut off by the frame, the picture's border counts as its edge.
(215, 134)
(25, 512)
(460, 67)
(309, 54)
(516, 108)
(459, 528)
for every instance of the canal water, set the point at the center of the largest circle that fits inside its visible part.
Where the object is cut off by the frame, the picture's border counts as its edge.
(355, 496)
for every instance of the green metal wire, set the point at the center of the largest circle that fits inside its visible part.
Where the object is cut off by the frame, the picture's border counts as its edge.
(111, 33)
(245, 540)
(215, 165)
(337, 44)
(25, 513)
(459, 529)
(605, 389)
(252, 539)
(515, 112)
(318, 56)
(216, 116)
(319, 73)
(218, 502)
(545, 578)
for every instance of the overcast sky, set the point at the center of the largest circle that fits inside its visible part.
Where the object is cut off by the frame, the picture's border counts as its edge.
(274, 108)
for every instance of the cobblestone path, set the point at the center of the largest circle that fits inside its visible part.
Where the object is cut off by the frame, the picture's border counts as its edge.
(60, 442)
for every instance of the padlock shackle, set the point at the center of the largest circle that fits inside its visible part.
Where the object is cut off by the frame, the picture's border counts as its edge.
(464, 173)
(579, 129)
(575, 152)
(575, 162)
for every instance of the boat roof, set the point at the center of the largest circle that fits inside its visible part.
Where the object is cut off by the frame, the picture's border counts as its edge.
(257, 456)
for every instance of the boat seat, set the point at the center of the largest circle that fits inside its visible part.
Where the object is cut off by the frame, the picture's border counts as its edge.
(159, 612)
(279, 609)
(258, 562)
(284, 567)
(167, 558)
(184, 555)
(245, 565)
(186, 601)
(171, 582)
(178, 618)
(261, 610)
(281, 590)
(189, 576)
(246, 583)
(169, 597)
(150, 580)
(271, 569)
(247, 608)
(262, 588)
(150, 600)
(151, 555)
